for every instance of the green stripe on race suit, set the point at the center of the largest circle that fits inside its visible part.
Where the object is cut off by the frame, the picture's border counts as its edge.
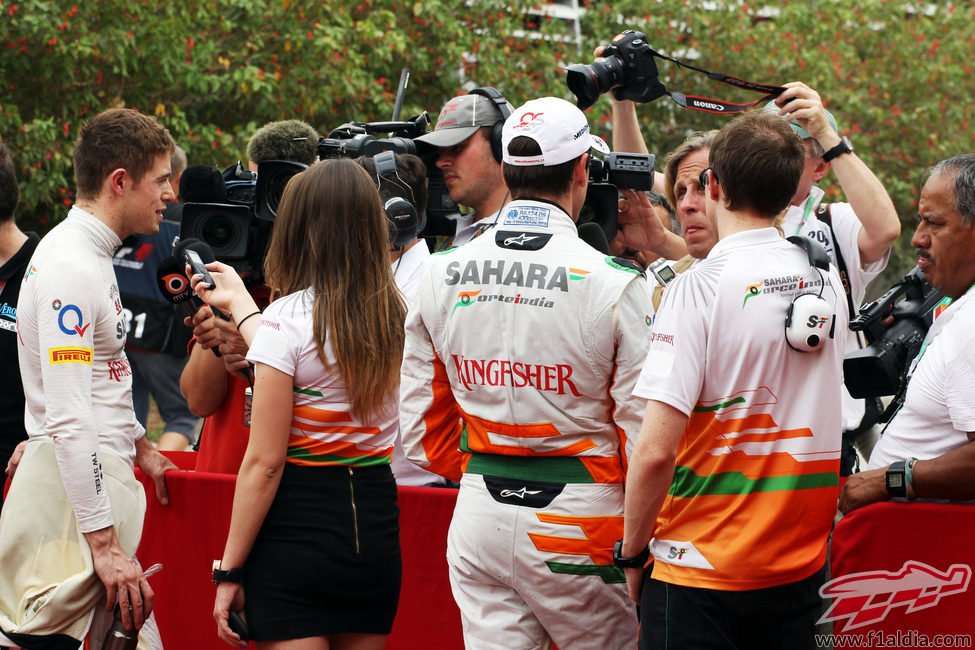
(610, 574)
(688, 484)
(553, 469)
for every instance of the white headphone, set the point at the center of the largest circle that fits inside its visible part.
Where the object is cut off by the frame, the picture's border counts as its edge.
(810, 319)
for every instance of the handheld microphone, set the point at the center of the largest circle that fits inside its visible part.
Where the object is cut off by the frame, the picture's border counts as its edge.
(176, 289)
(592, 233)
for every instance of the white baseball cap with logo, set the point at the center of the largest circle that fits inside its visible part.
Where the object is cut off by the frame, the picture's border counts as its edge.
(557, 126)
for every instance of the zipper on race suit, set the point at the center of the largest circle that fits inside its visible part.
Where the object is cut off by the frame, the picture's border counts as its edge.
(355, 514)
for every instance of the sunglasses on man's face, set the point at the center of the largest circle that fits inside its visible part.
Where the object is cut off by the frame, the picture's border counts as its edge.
(703, 177)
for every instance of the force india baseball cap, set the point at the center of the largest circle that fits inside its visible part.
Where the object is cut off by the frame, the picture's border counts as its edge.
(460, 118)
(801, 132)
(557, 126)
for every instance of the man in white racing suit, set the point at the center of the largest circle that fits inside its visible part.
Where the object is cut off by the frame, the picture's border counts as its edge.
(73, 517)
(532, 339)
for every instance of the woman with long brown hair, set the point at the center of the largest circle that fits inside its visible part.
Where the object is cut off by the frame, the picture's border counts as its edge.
(314, 534)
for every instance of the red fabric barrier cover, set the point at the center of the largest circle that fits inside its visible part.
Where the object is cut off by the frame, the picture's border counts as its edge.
(904, 570)
(189, 534)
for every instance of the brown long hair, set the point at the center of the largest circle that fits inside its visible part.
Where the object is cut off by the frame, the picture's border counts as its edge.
(331, 236)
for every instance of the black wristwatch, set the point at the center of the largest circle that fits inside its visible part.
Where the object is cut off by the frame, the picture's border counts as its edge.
(635, 562)
(843, 147)
(230, 575)
(896, 480)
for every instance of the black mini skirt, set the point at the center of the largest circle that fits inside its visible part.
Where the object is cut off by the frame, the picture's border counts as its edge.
(327, 558)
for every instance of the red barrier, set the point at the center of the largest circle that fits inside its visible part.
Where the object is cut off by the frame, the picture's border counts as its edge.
(189, 534)
(901, 576)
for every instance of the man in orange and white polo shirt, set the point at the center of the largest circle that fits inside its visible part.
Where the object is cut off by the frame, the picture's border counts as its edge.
(734, 474)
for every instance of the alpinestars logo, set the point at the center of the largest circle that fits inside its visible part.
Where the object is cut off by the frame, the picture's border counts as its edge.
(520, 239)
(868, 597)
(519, 493)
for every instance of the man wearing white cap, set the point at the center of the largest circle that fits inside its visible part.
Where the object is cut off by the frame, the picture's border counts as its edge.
(534, 340)
(468, 136)
(857, 235)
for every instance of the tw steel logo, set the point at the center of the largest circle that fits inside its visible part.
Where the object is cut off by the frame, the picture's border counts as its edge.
(868, 597)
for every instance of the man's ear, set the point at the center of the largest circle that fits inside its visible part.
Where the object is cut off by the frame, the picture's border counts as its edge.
(822, 168)
(580, 172)
(714, 187)
(117, 180)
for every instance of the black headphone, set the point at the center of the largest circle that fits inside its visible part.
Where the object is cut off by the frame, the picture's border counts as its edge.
(502, 105)
(810, 316)
(404, 222)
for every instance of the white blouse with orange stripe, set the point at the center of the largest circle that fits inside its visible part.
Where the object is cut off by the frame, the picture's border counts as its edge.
(323, 429)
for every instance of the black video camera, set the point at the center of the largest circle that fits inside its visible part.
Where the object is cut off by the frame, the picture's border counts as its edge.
(355, 139)
(881, 367)
(619, 171)
(237, 226)
(628, 69)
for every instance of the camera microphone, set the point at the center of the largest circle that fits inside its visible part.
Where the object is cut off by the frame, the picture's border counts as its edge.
(592, 233)
(202, 184)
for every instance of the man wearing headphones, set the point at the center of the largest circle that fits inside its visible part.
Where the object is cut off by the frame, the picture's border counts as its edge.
(402, 181)
(734, 473)
(468, 136)
(534, 339)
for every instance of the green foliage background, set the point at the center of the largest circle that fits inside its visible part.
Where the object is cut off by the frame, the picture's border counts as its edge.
(896, 74)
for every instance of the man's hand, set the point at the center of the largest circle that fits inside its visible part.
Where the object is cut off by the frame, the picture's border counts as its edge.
(640, 227)
(122, 576)
(237, 364)
(15, 459)
(806, 108)
(155, 465)
(634, 583)
(864, 488)
(204, 323)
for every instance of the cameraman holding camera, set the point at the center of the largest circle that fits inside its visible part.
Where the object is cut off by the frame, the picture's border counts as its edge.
(926, 450)
(543, 446)
(467, 136)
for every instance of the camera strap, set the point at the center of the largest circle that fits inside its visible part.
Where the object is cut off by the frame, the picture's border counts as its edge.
(709, 105)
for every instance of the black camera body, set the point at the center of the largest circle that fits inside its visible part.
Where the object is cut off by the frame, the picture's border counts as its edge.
(355, 139)
(618, 171)
(237, 226)
(881, 367)
(628, 69)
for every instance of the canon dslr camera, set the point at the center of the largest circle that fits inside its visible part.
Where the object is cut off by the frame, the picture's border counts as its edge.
(628, 69)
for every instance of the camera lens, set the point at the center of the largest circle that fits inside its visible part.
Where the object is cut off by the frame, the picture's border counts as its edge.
(218, 231)
(588, 82)
(582, 84)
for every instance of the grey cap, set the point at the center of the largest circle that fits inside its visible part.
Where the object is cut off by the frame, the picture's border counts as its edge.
(460, 118)
(801, 132)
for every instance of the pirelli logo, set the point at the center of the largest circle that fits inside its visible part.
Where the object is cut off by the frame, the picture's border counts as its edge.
(70, 355)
